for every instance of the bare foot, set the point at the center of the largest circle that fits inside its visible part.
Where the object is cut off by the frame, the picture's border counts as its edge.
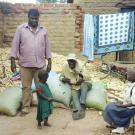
(22, 114)
(39, 127)
(47, 124)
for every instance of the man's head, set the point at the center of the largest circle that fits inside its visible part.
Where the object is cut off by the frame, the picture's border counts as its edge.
(33, 18)
(131, 75)
(43, 76)
(72, 60)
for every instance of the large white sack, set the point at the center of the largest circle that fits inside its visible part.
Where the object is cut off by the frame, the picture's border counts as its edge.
(60, 91)
(34, 99)
(97, 96)
(10, 100)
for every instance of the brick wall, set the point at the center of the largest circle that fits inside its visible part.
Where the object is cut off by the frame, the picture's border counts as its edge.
(98, 6)
(103, 6)
(106, 7)
(1, 29)
(63, 22)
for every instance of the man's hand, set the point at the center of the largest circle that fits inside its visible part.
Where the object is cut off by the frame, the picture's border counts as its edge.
(79, 82)
(49, 65)
(125, 105)
(113, 67)
(120, 105)
(66, 80)
(13, 65)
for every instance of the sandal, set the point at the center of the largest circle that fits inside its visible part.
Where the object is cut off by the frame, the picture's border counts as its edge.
(110, 126)
(76, 115)
(82, 114)
(39, 127)
(22, 114)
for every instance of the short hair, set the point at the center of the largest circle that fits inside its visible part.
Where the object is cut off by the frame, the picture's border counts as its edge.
(42, 75)
(33, 12)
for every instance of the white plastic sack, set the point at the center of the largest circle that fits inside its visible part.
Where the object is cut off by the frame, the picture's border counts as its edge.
(60, 91)
(34, 99)
(97, 96)
(10, 100)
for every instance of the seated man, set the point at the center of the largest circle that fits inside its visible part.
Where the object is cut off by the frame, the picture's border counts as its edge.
(118, 115)
(71, 74)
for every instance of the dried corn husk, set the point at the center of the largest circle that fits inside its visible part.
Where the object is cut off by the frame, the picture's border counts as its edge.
(91, 71)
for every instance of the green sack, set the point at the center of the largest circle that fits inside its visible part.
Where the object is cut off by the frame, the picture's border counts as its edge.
(97, 96)
(10, 100)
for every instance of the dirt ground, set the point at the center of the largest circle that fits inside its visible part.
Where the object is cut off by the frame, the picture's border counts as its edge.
(61, 121)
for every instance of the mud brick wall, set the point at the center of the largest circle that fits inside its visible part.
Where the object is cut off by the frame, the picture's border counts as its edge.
(63, 22)
(105, 7)
(99, 6)
(1, 29)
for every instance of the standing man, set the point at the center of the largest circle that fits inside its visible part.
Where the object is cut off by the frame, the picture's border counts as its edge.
(31, 45)
(72, 75)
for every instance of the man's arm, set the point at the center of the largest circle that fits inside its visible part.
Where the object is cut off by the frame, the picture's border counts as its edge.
(45, 97)
(125, 105)
(15, 49)
(81, 79)
(118, 69)
(48, 53)
(63, 78)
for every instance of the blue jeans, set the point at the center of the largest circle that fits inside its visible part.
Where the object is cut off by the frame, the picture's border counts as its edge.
(79, 96)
